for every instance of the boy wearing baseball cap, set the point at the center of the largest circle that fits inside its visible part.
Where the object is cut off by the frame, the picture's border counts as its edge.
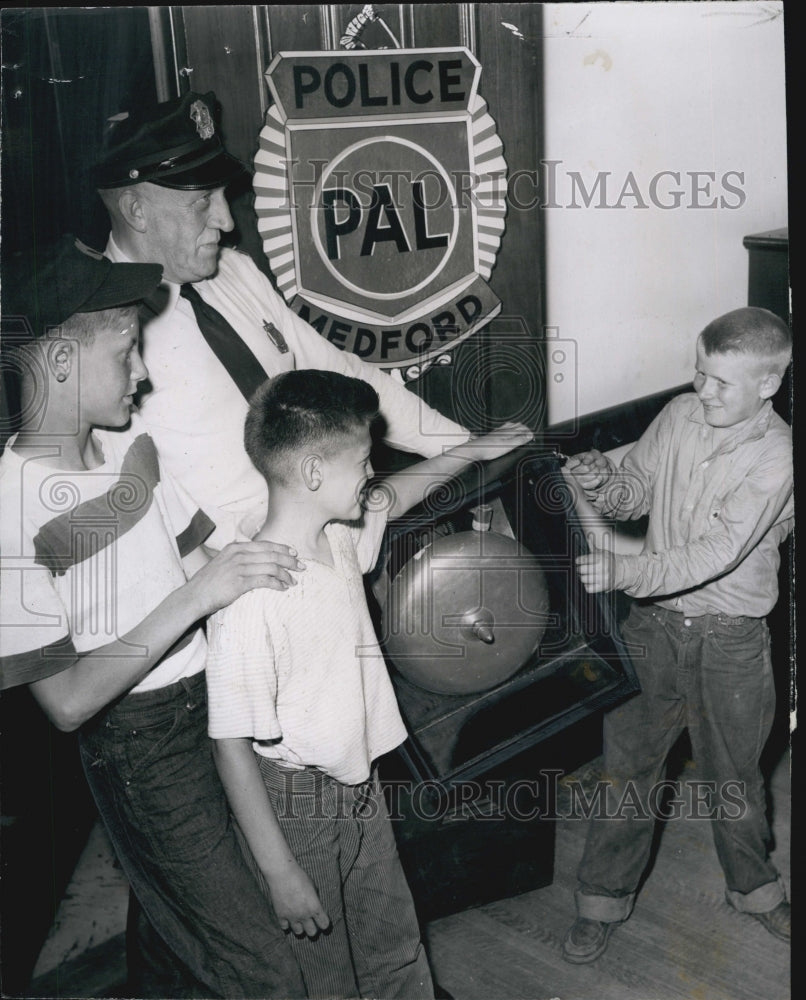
(104, 581)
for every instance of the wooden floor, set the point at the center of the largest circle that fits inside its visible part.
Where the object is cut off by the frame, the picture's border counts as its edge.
(682, 941)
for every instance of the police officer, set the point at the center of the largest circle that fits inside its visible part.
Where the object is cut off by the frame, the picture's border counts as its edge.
(163, 181)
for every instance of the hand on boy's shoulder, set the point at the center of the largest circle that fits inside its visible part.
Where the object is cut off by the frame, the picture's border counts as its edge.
(243, 566)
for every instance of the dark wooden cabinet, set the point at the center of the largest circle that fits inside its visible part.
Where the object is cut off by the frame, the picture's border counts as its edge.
(768, 273)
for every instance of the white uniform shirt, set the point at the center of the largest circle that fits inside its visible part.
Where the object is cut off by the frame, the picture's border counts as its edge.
(300, 671)
(196, 413)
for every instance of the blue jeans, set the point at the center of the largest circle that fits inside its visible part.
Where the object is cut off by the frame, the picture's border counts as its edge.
(149, 764)
(713, 675)
(342, 837)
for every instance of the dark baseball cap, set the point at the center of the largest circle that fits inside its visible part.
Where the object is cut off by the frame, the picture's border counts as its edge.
(175, 144)
(71, 278)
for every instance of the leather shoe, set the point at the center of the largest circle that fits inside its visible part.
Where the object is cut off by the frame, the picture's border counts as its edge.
(777, 921)
(586, 940)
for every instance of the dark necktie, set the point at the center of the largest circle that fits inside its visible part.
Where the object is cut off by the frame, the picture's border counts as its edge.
(244, 368)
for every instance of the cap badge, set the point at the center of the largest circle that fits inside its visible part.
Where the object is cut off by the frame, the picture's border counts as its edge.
(203, 120)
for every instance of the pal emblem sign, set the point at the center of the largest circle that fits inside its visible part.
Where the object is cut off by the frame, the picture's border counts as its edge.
(380, 194)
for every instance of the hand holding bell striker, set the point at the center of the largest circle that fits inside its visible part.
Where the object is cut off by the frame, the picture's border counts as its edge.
(585, 473)
(590, 469)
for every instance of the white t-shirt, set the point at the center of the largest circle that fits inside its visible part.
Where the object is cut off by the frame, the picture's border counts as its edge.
(300, 671)
(86, 555)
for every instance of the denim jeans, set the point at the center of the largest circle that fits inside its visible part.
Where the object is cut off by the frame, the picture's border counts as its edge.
(713, 675)
(149, 764)
(342, 837)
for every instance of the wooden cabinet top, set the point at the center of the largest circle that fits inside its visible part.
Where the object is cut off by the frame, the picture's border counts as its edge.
(772, 239)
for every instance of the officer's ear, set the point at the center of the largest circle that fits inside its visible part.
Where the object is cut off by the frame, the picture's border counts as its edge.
(132, 209)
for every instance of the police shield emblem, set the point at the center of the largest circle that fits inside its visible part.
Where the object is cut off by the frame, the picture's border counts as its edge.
(380, 194)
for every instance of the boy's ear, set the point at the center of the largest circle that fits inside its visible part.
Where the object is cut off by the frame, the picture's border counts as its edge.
(312, 471)
(60, 358)
(770, 384)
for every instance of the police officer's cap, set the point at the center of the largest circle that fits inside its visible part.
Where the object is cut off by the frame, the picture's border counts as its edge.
(175, 144)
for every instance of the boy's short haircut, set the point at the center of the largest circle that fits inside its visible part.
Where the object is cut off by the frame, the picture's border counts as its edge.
(308, 409)
(750, 330)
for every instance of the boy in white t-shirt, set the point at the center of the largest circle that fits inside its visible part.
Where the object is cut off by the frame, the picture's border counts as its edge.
(300, 700)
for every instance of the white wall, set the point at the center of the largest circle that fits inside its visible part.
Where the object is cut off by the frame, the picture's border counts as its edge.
(640, 88)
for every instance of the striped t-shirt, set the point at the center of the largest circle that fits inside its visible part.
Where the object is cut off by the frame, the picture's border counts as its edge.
(86, 555)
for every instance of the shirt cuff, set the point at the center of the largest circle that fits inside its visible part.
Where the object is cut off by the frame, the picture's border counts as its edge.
(626, 573)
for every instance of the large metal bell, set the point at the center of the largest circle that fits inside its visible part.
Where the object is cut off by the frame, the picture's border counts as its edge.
(465, 612)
